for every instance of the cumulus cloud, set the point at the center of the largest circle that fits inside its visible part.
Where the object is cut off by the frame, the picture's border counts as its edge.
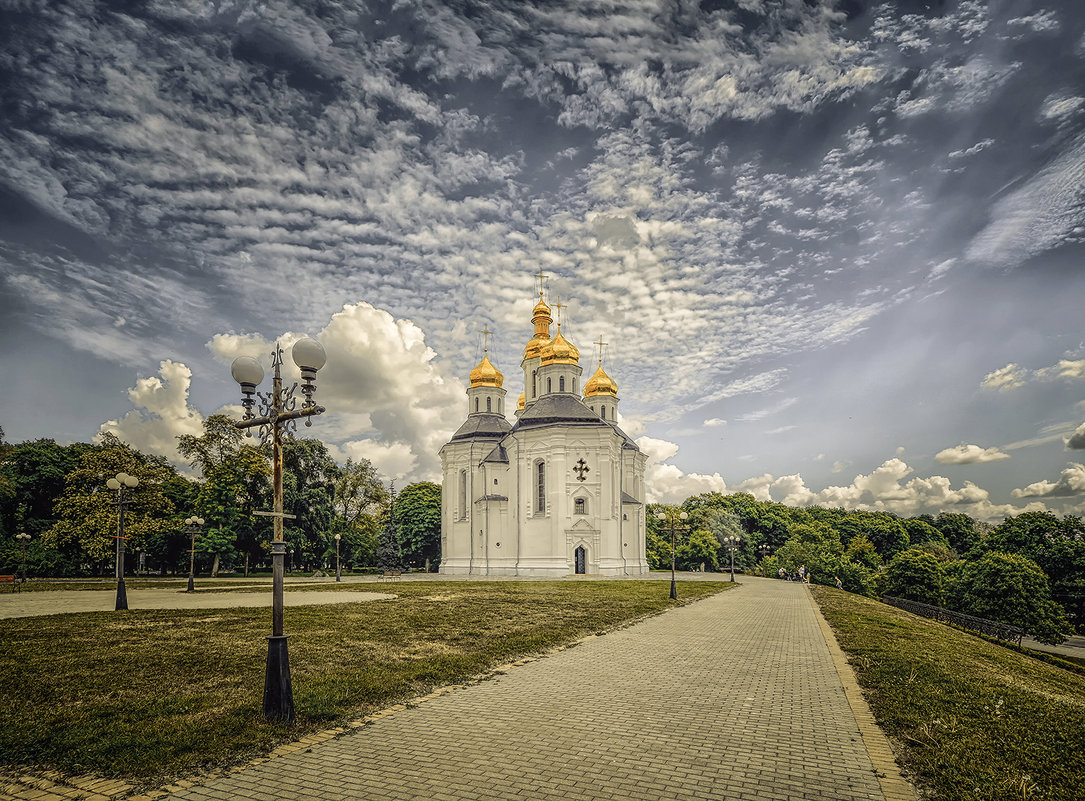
(162, 413)
(388, 397)
(969, 454)
(1005, 378)
(666, 483)
(1076, 441)
(1071, 482)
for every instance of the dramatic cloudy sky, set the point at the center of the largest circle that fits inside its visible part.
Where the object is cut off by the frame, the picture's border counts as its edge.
(836, 249)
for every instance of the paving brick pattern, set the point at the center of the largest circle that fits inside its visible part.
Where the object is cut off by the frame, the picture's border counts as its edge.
(733, 697)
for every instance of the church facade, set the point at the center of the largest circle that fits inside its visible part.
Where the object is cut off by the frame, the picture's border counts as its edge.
(561, 490)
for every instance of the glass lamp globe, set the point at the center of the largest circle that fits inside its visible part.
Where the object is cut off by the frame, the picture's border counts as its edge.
(113, 484)
(683, 516)
(247, 371)
(308, 354)
(131, 481)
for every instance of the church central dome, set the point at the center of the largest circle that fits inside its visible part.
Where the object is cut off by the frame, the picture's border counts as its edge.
(560, 351)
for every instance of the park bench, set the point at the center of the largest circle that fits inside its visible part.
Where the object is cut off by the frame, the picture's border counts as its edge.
(8, 580)
(391, 575)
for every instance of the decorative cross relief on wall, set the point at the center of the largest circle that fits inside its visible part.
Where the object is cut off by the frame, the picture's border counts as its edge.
(581, 469)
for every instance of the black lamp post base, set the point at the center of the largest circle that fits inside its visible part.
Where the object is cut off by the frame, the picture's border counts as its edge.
(674, 590)
(278, 694)
(122, 596)
(191, 584)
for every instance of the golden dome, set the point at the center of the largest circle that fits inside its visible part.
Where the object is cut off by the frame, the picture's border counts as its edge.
(541, 309)
(600, 384)
(520, 403)
(540, 316)
(535, 347)
(560, 351)
(485, 374)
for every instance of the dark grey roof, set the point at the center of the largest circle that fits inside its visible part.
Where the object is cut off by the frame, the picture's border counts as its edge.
(483, 426)
(627, 498)
(498, 455)
(563, 409)
(491, 498)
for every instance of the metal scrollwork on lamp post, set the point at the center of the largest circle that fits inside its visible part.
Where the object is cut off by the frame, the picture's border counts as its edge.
(764, 549)
(122, 482)
(193, 527)
(730, 542)
(672, 526)
(278, 416)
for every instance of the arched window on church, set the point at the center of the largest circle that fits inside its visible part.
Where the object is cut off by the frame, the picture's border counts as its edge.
(561, 383)
(540, 487)
(580, 506)
(488, 403)
(549, 385)
(534, 384)
(476, 404)
(463, 494)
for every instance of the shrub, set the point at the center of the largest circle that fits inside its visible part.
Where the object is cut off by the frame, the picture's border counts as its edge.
(913, 574)
(1012, 589)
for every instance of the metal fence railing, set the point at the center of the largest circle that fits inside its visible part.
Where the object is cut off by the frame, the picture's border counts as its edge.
(992, 628)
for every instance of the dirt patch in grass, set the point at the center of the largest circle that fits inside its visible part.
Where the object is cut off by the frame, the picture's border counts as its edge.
(973, 720)
(150, 694)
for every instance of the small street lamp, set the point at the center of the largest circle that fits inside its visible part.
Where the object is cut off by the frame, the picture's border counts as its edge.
(672, 526)
(730, 542)
(338, 571)
(122, 482)
(278, 417)
(24, 541)
(193, 526)
(763, 550)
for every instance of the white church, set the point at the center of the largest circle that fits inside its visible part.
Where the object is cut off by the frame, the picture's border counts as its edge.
(558, 492)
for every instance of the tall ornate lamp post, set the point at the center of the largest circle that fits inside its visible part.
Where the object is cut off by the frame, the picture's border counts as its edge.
(122, 482)
(278, 417)
(763, 550)
(338, 570)
(24, 540)
(730, 542)
(193, 526)
(672, 526)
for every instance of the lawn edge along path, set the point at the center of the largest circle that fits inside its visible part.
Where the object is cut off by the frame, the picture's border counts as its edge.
(882, 757)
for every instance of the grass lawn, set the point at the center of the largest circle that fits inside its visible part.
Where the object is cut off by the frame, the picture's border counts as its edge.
(147, 695)
(975, 720)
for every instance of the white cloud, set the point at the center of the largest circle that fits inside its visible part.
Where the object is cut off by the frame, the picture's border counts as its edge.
(969, 454)
(162, 413)
(1005, 378)
(381, 380)
(714, 422)
(1071, 482)
(666, 483)
(1076, 441)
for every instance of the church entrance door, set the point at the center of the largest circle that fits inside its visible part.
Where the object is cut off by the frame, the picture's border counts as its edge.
(580, 558)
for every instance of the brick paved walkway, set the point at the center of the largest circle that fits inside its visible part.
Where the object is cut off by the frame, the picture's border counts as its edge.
(733, 697)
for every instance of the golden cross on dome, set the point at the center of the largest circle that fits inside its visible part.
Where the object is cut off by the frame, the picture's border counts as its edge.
(559, 306)
(601, 345)
(541, 277)
(486, 334)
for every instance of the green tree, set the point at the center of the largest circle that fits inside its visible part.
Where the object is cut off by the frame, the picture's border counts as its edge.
(913, 574)
(701, 547)
(884, 530)
(920, 531)
(389, 556)
(87, 515)
(360, 501)
(861, 551)
(959, 530)
(418, 521)
(235, 484)
(1012, 589)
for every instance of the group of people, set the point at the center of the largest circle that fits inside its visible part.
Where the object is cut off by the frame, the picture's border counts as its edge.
(799, 575)
(804, 577)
